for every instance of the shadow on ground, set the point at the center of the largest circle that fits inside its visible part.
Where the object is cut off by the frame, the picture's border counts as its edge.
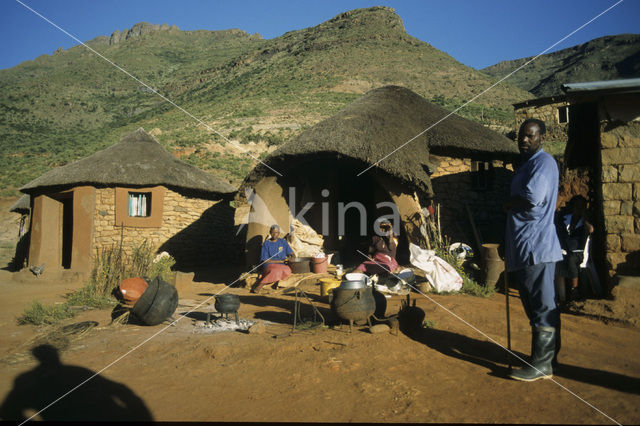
(494, 358)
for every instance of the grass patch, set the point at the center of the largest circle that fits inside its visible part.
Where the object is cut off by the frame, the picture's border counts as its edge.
(110, 268)
(39, 314)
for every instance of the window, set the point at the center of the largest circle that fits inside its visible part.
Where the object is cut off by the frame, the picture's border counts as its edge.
(139, 207)
(139, 204)
(563, 114)
(481, 175)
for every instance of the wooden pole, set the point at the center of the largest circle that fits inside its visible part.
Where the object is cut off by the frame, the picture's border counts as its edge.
(439, 231)
(506, 293)
(475, 231)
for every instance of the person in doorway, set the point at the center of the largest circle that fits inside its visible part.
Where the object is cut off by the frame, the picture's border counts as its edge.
(275, 252)
(383, 248)
(532, 247)
(573, 230)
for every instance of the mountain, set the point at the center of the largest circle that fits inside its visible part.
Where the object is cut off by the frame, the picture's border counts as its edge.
(258, 93)
(604, 58)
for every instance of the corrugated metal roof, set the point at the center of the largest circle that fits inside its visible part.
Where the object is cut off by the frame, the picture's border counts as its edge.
(612, 86)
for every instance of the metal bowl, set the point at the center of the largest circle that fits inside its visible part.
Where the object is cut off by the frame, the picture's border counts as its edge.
(353, 284)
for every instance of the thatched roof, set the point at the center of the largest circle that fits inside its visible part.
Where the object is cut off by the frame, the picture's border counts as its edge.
(382, 120)
(22, 206)
(137, 160)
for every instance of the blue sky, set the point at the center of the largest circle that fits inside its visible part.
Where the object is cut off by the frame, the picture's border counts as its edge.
(476, 33)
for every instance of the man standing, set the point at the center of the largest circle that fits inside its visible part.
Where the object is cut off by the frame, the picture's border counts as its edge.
(532, 247)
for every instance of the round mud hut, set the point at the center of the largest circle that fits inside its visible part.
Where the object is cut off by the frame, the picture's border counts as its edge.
(132, 193)
(347, 171)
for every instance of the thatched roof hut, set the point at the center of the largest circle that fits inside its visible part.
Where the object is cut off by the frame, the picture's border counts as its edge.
(384, 132)
(382, 121)
(136, 160)
(132, 192)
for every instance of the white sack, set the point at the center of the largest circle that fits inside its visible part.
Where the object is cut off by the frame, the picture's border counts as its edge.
(441, 275)
(304, 241)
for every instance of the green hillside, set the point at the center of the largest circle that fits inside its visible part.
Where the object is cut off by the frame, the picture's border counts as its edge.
(58, 108)
(605, 58)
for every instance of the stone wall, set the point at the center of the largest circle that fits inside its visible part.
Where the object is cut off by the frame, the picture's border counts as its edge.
(195, 231)
(549, 114)
(453, 185)
(621, 196)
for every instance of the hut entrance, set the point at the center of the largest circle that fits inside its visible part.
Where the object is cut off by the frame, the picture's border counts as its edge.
(65, 201)
(338, 205)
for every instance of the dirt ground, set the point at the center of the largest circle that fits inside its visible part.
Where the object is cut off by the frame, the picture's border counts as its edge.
(447, 373)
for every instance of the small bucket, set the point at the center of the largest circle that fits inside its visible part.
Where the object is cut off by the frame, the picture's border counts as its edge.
(328, 284)
(319, 265)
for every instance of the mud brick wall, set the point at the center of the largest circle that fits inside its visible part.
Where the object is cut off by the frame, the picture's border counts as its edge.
(195, 231)
(621, 196)
(547, 113)
(453, 186)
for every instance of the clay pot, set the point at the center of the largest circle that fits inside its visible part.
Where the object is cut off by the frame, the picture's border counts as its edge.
(132, 288)
(493, 264)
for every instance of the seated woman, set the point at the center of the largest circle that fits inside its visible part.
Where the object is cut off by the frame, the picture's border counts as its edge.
(274, 252)
(573, 229)
(383, 247)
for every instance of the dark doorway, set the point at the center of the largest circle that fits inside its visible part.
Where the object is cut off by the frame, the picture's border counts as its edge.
(67, 230)
(338, 197)
(583, 151)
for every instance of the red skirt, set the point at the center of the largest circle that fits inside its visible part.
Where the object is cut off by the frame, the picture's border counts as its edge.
(381, 265)
(273, 272)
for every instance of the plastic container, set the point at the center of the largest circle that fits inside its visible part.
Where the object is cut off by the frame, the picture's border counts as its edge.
(328, 284)
(319, 265)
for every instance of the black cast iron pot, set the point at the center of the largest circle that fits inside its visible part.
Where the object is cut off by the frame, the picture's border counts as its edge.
(353, 304)
(227, 303)
(158, 302)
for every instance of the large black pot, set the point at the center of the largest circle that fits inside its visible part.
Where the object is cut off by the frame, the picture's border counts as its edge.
(227, 303)
(158, 302)
(353, 304)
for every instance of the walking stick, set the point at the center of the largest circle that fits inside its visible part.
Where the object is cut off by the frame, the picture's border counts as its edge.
(506, 293)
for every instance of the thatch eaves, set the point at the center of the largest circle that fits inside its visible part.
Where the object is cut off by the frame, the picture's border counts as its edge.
(22, 206)
(137, 160)
(382, 121)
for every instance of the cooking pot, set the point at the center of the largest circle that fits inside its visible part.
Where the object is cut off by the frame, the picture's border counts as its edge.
(227, 303)
(355, 280)
(353, 284)
(353, 304)
(300, 265)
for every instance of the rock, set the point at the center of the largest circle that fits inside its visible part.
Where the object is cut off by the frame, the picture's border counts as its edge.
(379, 328)
(115, 37)
(257, 328)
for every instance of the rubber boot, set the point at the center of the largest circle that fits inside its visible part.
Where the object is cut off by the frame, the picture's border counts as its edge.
(542, 353)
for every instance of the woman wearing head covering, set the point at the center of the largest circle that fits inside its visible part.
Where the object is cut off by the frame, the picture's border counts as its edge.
(383, 247)
(274, 252)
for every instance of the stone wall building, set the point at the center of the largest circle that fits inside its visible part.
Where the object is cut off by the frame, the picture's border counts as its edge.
(604, 137)
(131, 193)
(553, 110)
(481, 186)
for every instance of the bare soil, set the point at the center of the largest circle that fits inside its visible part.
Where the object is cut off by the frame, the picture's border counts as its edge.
(447, 373)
